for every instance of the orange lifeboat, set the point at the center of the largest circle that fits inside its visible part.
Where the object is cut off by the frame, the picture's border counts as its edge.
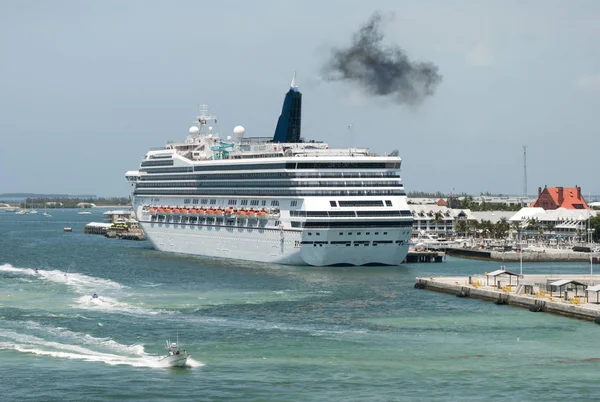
(240, 212)
(262, 215)
(152, 210)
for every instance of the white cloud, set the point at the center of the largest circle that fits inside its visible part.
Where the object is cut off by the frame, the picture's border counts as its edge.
(590, 82)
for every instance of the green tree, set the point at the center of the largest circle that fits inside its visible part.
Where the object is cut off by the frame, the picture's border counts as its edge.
(462, 227)
(595, 224)
(502, 227)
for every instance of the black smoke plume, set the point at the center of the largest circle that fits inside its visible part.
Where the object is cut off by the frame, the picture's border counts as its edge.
(381, 70)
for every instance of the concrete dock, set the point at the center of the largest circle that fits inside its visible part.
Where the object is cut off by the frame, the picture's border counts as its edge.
(549, 255)
(530, 291)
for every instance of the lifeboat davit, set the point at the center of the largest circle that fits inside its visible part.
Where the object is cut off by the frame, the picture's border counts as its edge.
(262, 215)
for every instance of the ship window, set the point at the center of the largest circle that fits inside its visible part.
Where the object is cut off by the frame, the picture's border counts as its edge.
(384, 233)
(195, 201)
(294, 203)
(368, 233)
(388, 203)
(333, 203)
(358, 234)
(318, 234)
(341, 233)
(254, 202)
(213, 202)
(244, 202)
(232, 202)
(274, 203)
(263, 203)
(376, 233)
(349, 233)
(187, 201)
(310, 234)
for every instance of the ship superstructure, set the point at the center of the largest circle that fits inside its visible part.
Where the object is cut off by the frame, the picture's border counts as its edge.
(280, 199)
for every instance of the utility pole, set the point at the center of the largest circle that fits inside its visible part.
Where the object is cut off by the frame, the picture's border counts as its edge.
(524, 170)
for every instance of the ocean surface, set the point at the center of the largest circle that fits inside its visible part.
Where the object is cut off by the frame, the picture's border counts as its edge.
(259, 332)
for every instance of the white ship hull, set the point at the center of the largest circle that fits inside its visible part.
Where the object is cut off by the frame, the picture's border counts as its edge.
(274, 245)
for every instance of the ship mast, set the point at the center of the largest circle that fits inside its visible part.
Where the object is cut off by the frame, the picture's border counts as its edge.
(204, 118)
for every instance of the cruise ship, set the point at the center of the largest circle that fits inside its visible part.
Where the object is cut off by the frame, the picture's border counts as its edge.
(279, 199)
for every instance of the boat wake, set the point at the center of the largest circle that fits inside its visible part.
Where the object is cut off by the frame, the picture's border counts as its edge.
(80, 282)
(112, 305)
(83, 286)
(90, 349)
(65, 344)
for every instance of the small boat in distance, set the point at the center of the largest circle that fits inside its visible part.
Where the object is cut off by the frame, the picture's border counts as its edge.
(68, 229)
(84, 213)
(46, 214)
(175, 357)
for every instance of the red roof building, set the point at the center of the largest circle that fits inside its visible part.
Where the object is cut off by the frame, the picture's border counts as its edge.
(557, 197)
(441, 202)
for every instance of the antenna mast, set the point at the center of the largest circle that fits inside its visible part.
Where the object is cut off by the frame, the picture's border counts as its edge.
(524, 170)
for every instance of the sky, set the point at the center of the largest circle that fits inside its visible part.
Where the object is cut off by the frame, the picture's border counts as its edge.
(87, 87)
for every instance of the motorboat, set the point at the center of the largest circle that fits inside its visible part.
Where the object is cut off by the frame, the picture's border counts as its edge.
(175, 357)
(46, 214)
(84, 213)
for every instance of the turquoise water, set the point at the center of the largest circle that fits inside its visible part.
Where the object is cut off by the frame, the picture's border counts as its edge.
(264, 332)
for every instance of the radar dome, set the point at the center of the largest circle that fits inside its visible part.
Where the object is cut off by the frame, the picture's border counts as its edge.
(238, 132)
(194, 130)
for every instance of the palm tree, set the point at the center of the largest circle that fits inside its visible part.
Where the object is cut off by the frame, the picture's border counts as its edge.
(462, 227)
(502, 227)
(516, 226)
(438, 218)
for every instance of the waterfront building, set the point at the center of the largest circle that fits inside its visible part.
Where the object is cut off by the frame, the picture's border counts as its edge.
(560, 197)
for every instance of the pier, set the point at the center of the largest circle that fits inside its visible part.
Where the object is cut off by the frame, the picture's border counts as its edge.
(565, 295)
(424, 256)
(545, 255)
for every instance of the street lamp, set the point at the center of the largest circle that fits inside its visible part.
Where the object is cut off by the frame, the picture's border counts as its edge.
(521, 256)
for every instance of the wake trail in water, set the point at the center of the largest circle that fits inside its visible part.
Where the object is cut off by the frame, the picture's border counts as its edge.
(85, 286)
(80, 282)
(77, 346)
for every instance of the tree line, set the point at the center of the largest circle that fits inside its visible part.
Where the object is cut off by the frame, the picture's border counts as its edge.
(45, 202)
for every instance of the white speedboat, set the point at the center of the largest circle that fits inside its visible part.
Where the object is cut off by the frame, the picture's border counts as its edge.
(84, 213)
(175, 357)
(46, 214)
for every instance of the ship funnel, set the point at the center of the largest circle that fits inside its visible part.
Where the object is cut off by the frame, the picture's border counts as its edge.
(289, 124)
